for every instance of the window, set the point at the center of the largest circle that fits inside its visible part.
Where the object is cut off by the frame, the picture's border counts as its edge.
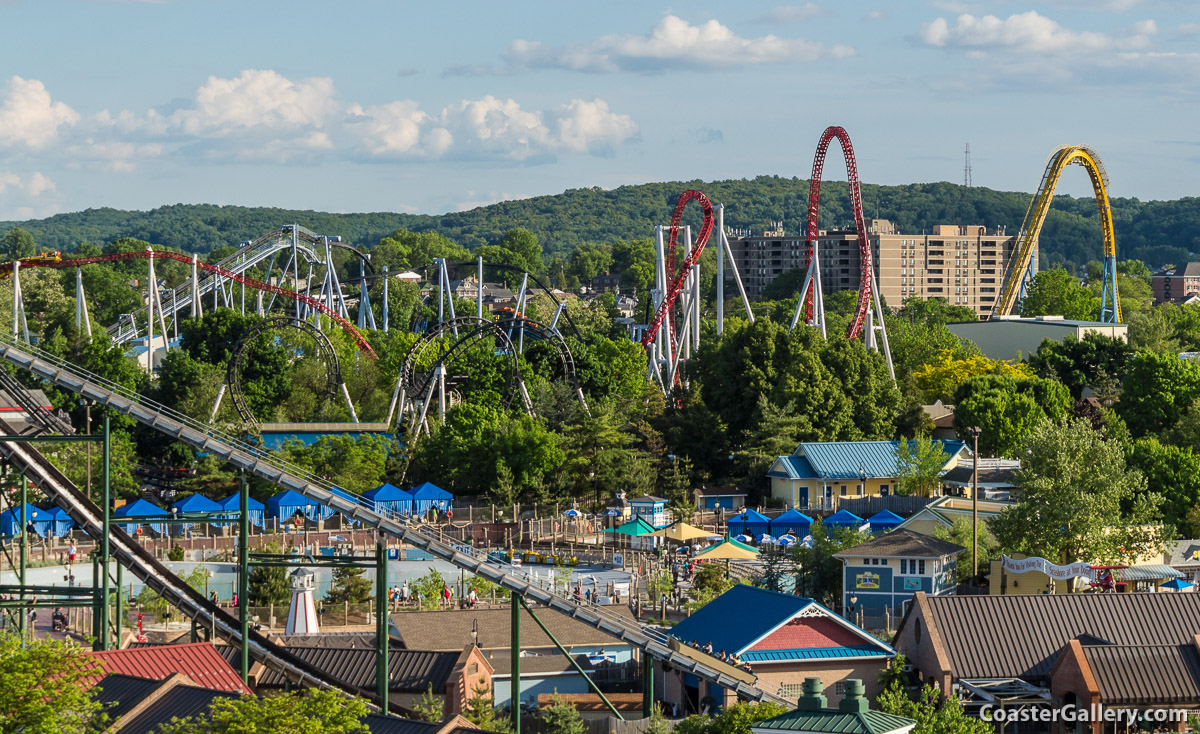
(903, 566)
(473, 668)
(843, 490)
(883, 490)
(921, 572)
(791, 690)
(839, 688)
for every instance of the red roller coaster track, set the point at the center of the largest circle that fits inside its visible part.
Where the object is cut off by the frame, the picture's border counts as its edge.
(44, 261)
(864, 245)
(676, 279)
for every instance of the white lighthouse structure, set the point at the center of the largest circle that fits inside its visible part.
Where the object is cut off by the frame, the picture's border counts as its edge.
(302, 617)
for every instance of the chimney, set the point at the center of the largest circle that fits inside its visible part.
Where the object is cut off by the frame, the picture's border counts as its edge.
(812, 700)
(855, 701)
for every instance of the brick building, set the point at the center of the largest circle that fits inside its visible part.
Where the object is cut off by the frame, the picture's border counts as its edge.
(1176, 285)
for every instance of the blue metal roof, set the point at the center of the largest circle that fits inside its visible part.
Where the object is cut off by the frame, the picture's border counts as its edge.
(387, 492)
(814, 653)
(793, 519)
(757, 611)
(430, 491)
(234, 502)
(849, 459)
(884, 519)
(139, 508)
(794, 467)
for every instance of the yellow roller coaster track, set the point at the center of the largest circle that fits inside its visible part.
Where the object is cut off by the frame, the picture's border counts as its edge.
(1019, 265)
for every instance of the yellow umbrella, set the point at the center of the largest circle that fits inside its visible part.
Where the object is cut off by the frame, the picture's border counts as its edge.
(728, 550)
(680, 532)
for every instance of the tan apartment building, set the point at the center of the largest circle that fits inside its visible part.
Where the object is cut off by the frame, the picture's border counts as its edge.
(1176, 285)
(963, 264)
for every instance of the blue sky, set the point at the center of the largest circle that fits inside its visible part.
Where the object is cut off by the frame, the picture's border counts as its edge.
(440, 106)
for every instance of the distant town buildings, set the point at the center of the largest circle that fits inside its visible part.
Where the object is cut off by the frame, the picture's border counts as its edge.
(1176, 285)
(962, 264)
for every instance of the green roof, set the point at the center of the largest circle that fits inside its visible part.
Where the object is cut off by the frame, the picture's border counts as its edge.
(832, 721)
(636, 526)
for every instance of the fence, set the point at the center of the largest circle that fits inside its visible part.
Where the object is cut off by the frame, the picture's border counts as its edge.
(867, 506)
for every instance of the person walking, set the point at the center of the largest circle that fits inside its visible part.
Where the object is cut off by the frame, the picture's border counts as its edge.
(445, 595)
(472, 599)
(72, 551)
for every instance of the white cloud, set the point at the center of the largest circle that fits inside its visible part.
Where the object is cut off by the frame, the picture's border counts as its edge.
(874, 15)
(29, 117)
(26, 197)
(257, 99)
(672, 44)
(792, 13)
(1028, 32)
(490, 128)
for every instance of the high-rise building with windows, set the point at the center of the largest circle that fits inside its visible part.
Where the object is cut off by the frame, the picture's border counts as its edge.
(963, 264)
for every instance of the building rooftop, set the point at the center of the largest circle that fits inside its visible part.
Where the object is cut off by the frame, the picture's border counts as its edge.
(850, 459)
(902, 542)
(451, 629)
(199, 661)
(1011, 636)
(409, 671)
(1142, 674)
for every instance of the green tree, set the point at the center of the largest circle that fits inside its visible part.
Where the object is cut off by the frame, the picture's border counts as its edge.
(819, 574)
(349, 585)
(307, 711)
(269, 584)
(1079, 499)
(1007, 409)
(1149, 331)
(1058, 293)
(213, 337)
(47, 686)
(18, 243)
(403, 249)
(480, 710)
(591, 259)
(524, 243)
(940, 379)
(933, 714)
(1158, 390)
(919, 465)
(961, 533)
(148, 599)
(429, 707)
(1080, 363)
(429, 589)
(778, 565)
(1172, 472)
(560, 717)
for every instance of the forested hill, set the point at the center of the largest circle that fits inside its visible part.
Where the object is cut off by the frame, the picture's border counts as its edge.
(1158, 232)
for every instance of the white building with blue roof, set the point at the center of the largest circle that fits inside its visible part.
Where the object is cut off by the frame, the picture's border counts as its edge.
(819, 474)
(782, 638)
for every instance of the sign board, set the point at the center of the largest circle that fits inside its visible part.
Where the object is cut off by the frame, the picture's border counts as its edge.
(866, 581)
(912, 584)
(1079, 569)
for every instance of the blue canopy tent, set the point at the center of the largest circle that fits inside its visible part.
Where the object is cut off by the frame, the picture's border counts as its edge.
(11, 520)
(141, 508)
(793, 521)
(192, 503)
(844, 519)
(427, 495)
(284, 506)
(390, 498)
(749, 522)
(61, 523)
(232, 506)
(884, 520)
(346, 496)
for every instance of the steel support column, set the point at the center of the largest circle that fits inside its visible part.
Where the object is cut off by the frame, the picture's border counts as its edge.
(647, 685)
(381, 624)
(514, 696)
(106, 530)
(21, 623)
(244, 576)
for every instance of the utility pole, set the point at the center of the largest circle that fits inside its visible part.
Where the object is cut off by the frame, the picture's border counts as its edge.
(974, 432)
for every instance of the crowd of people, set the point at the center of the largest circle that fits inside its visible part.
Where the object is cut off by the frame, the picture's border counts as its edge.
(727, 658)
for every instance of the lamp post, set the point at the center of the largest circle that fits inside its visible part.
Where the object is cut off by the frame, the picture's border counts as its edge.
(862, 480)
(974, 432)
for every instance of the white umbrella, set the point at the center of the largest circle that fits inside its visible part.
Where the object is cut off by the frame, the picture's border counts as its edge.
(613, 513)
(572, 513)
(764, 538)
(745, 538)
(787, 540)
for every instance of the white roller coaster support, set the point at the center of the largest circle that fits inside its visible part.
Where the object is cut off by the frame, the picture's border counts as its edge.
(197, 307)
(18, 304)
(154, 296)
(296, 265)
(386, 278)
(520, 313)
(217, 403)
(554, 321)
(737, 277)
(887, 352)
(349, 402)
(258, 301)
(479, 287)
(449, 296)
(83, 319)
(720, 212)
(695, 300)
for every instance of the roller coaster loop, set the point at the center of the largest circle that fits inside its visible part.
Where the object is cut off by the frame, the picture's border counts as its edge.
(865, 264)
(1021, 266)
(54, 261)
(676, 285)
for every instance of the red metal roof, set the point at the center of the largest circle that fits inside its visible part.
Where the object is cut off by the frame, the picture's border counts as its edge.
(199, 661)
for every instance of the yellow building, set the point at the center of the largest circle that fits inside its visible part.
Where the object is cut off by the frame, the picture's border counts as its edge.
(819, 475)
(944, 511)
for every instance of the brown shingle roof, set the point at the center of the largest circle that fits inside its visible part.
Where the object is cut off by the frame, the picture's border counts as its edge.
(451, 629)
(998, 636)
(1136, 674)
(501, 662)
(902, 542)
